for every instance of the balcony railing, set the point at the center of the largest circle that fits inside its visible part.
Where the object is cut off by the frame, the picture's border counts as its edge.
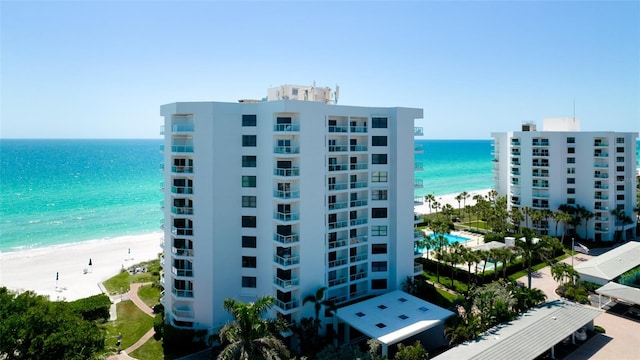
(287, 305)
(181, 272)
(418, 131)
(184, 210)
(601, 176)
(418, 183)
(286, 260)
(515, 142)
(182, 190)
(601, 154)
(286, 127)
(286, 239)
(294, 171)
(358, 240)
(338, 129)
(358, 203)
(540, 195)
(601, 197)
(601, 207)
(358, 129)
(337, 243)
(358, 276)
(359, 166)
(181, 251)
(286, 283)
(339, 167)
(540, 143)
(356, 258)
(338, 224)
(285, 216)
(338, 281)
(418, 148)
(417, 268)
(338, 262)
(182, 148)
(183, 313)
(358, 184)
(602, 218)
(601, 186)
(182, 292)
(282, 194)
(182, 231)
(358, 221)
(418, 166)
(336, 206)
(286, 149)
(182, 169)
(358, 147)
(601, 165)
(179, 128)
(338, 148)
(601, 143)
(338, 186)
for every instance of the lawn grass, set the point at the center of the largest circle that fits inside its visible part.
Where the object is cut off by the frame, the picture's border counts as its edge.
(120, 283)
(149, 294)
(151, 350)
(132, 323)
(459, 287)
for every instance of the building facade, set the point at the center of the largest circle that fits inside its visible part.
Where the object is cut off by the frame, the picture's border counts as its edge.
(562, 165)
(281, 197)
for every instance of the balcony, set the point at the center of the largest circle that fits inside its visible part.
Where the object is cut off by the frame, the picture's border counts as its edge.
(181, 272)
(600, 143)
(182, 292)
(540, 174)
(337, 281)
(285, 216)
(599, 154)
(515, 172)
(418, 200)
(537, 142)
(358, 221)
(338, 129)
(337, 243)
(181, 251)
(358, 203)
(358, 240)
(540, 153)
(338, 148)
(356, 258)
(515, 142)
(601, 197)
(418, 131)
(338, 186)
(286, 260)
(601, 207)
(418, 235)
(540, 195)
(182, 210)
(182, 312)
(418, 148)
(600, 176)
(182, 148)
(602, 218)
(286, 127)
(358, 129)
(359, 166)
(358, 185)
(338, 262)
(286, 283)
(338, 224)
(339, 167)
(287, 172)
(358, 147)
(417, 268)
(516, 163)
(418, 166)
(337, 206)
(602, 229)
(418, 183)
(282, 194)
(182, 190)
(286, 239)
(286, 305)
(358, 276)
(601, 186)
(182, 169)
(182, 128)
(515, 152)
(286, 149)
(182, 231)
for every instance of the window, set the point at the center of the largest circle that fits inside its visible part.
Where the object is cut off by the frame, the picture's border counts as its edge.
(620, 149)
(571, 140)
(377, 266)
(248, 161)
(248, 120)
(571, 191)
(571, 180)
(379, 140)
(620, 187)
(249, 242)
(379, 122)
(571, 150)
(249, 281)
(620, 197)
(619, 178)
(571, 160)
(248, 221)
(620, 159)
(249, 140)
(248, 201)
(379, 158)
(619, 168)
(249, 262)
(379, 230)
(379, 284)
(379, 213)
(248, 181)
(619, 140)
(571, 170)
(571, 201)
(378, 248)
(378, 194)
(379, 176)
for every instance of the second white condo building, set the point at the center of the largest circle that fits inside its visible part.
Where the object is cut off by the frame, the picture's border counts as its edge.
(563, 165)
(282, 197)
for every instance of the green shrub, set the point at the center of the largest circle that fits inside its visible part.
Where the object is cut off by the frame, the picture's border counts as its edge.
(598, 329)
(92, 308)
(177, 340)
(158, 326)
(158, 308)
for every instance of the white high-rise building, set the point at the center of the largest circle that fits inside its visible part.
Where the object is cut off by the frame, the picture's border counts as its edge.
(282, 197)
(563, 165)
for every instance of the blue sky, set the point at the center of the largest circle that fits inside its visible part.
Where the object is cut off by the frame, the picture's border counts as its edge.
(102, 69)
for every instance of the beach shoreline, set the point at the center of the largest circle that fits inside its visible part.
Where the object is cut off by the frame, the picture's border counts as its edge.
(36, 269)
(451, 200)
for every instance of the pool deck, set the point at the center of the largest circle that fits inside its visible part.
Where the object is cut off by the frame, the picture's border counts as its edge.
(474, 239)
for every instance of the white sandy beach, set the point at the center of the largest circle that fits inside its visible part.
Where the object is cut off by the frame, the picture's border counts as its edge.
(36, 269)
(451, 200)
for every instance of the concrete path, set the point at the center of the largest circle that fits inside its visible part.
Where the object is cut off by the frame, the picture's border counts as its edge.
(132, 295)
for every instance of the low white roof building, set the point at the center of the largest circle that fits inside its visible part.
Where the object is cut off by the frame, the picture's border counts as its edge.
(610, 265)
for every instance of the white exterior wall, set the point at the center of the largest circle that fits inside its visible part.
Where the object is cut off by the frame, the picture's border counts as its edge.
(588, 193)
(216, 137)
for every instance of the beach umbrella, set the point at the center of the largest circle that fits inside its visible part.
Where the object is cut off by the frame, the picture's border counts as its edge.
(57, 279)
(90, 262)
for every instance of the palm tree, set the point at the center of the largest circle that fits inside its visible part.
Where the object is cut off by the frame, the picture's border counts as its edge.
(428, 242)
(621, 220)
(492, 195)
(439, 229)
(465, 196)
(454, 258)
(459, 199)
(447, 210)
(250, 336)
(505, 255)
(470, 257)
(429, 199)
(318, 302)
(516, 218)
(526, 211)
(536, 217)
(564, 218)
(528, 250)
(586, 215)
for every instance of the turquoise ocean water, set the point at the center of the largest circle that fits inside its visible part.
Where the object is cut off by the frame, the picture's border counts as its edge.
(63, 191)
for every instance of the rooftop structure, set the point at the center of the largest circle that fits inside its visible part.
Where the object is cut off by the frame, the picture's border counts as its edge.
(282, 197)
(610, 265)
(561, 165)
(529, 336)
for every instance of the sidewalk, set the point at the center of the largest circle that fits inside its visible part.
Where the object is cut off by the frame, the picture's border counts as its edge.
(132, 295)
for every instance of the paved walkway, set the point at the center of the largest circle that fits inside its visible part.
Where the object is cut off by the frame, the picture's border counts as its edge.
(132, 295)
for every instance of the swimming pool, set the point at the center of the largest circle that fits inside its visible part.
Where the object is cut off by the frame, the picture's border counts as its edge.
(452, 239)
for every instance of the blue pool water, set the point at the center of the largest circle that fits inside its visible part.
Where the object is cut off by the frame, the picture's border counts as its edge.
(452, 239)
